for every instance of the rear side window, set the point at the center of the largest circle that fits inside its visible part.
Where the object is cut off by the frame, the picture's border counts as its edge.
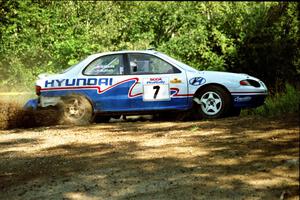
(149, 64)
(105, 65)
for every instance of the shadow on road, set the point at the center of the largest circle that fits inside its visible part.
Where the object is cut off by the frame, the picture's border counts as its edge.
(234, 158)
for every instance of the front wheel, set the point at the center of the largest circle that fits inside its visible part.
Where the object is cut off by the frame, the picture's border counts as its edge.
(212, 102)
(76, 110)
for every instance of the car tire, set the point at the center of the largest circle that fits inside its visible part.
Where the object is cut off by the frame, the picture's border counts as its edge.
(76, 110)
(212, 102)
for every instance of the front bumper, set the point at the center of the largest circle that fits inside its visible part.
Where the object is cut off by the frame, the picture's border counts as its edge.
(248, 101)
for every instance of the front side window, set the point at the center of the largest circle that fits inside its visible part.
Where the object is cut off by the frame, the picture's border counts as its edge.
(106, 65)
(149, 64)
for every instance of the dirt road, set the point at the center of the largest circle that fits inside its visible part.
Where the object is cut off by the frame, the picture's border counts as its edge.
(233, 158)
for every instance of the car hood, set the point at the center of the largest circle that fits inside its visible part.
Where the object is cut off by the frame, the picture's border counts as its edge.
(227, 75)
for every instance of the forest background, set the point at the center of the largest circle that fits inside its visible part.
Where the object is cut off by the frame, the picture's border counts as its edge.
(257, 38)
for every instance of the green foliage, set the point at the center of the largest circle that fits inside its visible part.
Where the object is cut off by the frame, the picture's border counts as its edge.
(278, 104)
(270, 49)
(259, 38)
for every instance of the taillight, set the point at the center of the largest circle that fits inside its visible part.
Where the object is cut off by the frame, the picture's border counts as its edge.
(244, 82)
(38, 90)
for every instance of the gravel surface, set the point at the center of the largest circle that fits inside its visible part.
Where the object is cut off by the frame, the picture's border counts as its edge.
(233, 158)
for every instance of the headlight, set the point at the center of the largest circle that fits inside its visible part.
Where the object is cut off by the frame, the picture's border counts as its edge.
(262, 83)
(250, 82)
(244, 82)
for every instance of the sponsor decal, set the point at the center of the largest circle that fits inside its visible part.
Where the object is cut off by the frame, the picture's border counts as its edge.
(242, 99)
(91, 81)
(78, 82)
(175, 80)
(155, 81)
(196, 81)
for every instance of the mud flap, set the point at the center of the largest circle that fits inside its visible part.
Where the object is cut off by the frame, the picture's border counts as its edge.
(32, 104)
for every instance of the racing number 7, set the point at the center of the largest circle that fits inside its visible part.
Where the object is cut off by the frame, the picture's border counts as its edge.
(156, 88)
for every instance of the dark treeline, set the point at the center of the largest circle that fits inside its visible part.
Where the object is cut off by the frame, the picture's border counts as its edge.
(258, 38)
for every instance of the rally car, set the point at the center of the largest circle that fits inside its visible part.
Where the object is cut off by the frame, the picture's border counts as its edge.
(144, 82)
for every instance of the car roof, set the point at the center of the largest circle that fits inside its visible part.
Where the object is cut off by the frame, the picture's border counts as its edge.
(151, 52)
(124, 51)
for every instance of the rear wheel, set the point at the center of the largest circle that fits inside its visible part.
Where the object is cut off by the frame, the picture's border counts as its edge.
(212, 102)
(76, 110)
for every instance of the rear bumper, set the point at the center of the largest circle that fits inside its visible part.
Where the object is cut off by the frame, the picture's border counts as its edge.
(31, 104)
(248, 101)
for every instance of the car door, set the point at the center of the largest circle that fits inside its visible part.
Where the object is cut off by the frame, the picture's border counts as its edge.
(106, 85)
(159, 85)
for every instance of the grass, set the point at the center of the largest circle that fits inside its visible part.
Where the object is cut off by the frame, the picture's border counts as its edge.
(278, 104)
